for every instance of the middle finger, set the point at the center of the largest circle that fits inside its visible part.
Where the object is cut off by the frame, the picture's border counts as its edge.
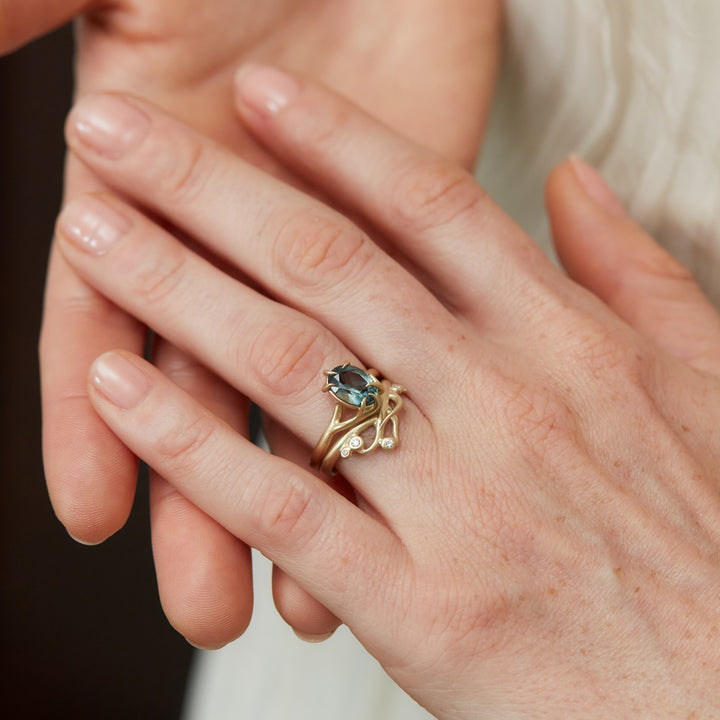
(298, 249)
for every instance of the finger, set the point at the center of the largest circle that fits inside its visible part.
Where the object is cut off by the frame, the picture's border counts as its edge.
(432, 209)
(271, 353)
(24, 20)
(310, 620)
(204, 573)
(90, 475)
(304, 253)
(607, 252)
(330, 546)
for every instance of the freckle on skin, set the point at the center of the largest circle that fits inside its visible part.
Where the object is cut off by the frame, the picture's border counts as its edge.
(685, 428)
(451, 348)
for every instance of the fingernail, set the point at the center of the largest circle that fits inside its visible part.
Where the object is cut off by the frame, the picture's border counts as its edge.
(314, 639)
(91, 225)
(265, 89)
(108, 125)
(596, 187)
(119, 381)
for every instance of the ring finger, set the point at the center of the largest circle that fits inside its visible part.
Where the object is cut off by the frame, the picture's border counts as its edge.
(273, 354)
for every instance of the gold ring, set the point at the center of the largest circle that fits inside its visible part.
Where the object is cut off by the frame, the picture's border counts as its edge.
(375, 404)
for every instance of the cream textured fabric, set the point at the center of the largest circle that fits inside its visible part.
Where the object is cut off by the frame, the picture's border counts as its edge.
(634, 87)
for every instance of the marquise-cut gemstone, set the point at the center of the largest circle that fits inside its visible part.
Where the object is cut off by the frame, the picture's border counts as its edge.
(351, 385)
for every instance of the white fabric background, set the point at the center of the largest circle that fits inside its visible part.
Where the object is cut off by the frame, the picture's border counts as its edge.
(634, 87)
(269, 674)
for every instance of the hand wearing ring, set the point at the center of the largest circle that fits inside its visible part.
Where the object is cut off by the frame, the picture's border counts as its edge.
(546, 540)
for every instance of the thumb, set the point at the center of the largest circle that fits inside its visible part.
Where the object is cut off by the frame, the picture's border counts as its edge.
(24, 20)
(612, 256)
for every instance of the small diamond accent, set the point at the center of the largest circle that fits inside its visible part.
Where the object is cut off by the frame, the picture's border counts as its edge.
(356, 443)
(388, 444)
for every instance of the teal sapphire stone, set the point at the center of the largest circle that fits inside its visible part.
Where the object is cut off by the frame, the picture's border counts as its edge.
(351, 385)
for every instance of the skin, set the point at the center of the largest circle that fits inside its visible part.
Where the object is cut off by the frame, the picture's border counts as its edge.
(182, 55)
(545, 541)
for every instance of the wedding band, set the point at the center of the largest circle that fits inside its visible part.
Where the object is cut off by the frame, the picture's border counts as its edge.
(373, 406)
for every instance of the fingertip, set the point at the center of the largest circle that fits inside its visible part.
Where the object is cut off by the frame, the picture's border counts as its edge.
(557, 181)
(80, 485)
(208, 637)
(206, 611)
(314, 639)
(589, 225)
(596, 187)
(206, 622)
(575, 186)
(86, 543)
(204, 573)
(310, 620)
(89, 521)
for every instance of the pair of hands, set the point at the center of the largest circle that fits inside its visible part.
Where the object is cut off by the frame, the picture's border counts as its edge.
(545, 541)
(546, 538)
(183, 56)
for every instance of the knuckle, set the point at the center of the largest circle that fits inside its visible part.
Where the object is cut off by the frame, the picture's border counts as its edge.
(285, 357)
(185, 445)
(663, 266)
(313, 248)
(535, 416)
(538, 416)
(287, 510)
(180, 166)
(433, 193)
(158, 274)
(182, 369)
(600, 351)
(84, 307)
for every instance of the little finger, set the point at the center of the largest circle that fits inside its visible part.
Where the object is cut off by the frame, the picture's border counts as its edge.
(612, 256)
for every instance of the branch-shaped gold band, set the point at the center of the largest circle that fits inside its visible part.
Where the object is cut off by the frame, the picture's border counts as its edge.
(375, 404)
